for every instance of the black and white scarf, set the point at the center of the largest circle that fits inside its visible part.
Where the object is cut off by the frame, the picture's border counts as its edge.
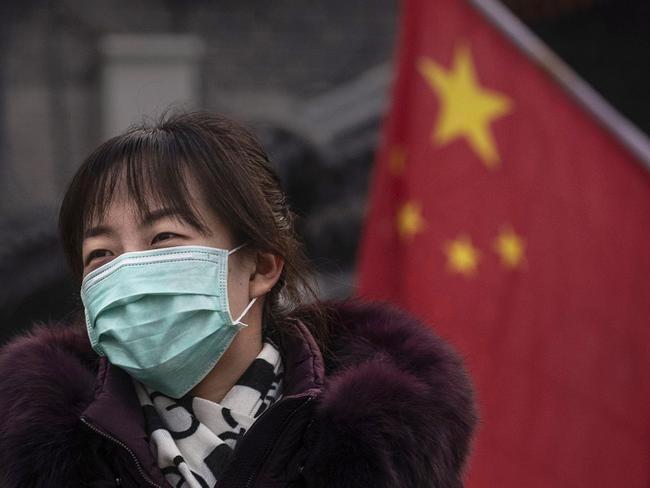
(192, 438)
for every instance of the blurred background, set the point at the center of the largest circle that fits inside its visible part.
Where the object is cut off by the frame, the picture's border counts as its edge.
(311, 78)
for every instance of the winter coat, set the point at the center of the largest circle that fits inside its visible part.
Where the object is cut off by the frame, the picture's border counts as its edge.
(388, 405)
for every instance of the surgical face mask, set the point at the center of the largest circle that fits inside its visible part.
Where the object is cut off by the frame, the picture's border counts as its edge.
(162, 315)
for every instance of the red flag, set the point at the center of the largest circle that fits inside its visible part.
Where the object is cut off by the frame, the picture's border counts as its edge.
(512, 220)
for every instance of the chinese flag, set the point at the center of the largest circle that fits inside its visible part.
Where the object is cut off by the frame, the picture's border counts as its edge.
(510, 219)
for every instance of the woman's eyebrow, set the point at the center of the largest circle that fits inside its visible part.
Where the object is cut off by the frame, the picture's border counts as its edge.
(98, 230)
(151, 217)
(148, 219)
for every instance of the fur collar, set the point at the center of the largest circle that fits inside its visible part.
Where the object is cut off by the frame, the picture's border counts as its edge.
(47, 378)
(396, 407)
(397, 410)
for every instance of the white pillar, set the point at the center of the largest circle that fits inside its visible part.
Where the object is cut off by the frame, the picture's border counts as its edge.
(144, 74)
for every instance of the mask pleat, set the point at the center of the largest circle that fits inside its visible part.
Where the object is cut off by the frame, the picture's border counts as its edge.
(162, 315)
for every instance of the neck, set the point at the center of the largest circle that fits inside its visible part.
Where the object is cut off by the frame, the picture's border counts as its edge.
(232, 365)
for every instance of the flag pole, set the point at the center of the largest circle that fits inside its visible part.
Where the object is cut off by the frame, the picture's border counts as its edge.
(627, 133)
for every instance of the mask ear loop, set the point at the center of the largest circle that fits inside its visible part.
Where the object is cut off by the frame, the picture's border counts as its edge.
(250, 304)
(241, 316)
(232, 251)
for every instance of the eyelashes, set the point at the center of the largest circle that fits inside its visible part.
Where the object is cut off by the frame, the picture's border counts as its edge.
(163, 236)
(98, 254)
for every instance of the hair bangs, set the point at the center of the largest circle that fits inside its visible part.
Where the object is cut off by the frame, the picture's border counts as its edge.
(148, 168)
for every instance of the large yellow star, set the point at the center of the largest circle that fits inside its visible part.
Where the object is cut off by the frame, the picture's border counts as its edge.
(466, 108)
(409, 220)
(511, 247)
(462, 256)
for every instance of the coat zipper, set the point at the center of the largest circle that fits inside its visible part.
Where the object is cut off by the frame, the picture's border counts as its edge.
(144, 476)
(272, 445)
(264, 414)
(251, 478)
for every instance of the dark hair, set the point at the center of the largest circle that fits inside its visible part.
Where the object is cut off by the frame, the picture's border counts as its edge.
(237, 181)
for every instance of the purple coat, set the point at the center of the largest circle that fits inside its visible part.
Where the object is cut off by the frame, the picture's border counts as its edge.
(388, 405)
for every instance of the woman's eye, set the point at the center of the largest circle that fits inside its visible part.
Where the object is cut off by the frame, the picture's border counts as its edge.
(97, 254)
(163, 236)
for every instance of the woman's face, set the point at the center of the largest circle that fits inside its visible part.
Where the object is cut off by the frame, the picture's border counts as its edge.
(124, 230)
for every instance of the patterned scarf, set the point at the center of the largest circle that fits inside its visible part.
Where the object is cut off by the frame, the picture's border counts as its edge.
(193, 438)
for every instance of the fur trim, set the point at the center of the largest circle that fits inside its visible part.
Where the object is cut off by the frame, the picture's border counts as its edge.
(47, 381)
(397, 410)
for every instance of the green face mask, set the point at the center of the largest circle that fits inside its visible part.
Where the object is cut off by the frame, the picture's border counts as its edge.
(162, 315)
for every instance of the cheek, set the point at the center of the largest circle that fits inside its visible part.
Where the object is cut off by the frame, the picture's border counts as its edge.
(236, 280)
(237, 290)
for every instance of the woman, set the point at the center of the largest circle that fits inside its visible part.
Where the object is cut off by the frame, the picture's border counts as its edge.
(200, 363)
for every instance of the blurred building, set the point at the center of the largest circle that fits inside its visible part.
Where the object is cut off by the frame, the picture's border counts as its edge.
(311, 78)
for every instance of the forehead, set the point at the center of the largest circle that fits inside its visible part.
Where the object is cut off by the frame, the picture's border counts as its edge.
(141, 203)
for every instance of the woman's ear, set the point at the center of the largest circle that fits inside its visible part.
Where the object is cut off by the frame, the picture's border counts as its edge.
(266, 274)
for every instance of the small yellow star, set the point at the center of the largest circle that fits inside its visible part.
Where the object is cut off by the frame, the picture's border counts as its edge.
(462, 256)
(466, 108)
(397, 160)
(409, 220)
(511, 247)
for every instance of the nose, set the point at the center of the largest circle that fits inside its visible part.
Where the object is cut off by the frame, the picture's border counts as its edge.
(133, 240)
